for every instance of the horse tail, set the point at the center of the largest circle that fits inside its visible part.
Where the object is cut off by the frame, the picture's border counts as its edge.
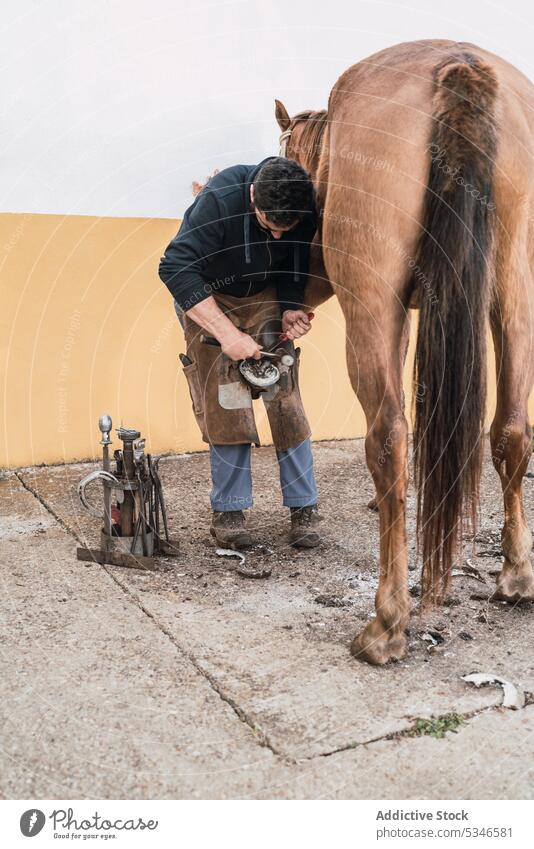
(455, 278)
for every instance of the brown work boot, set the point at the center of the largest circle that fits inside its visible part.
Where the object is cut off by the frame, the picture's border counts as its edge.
(229, 529)
(302, 534)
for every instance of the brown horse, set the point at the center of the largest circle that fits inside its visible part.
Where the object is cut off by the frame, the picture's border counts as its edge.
(425, 186)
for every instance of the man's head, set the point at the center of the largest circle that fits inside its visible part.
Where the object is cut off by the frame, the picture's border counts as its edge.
(282, 195)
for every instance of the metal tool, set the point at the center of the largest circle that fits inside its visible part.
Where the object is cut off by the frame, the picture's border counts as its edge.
(260, 373)
(105, 424)
(158, 488)
(280, 354)
(134, 485)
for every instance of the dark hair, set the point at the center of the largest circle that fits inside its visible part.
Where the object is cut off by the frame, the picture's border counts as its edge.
(284, 191)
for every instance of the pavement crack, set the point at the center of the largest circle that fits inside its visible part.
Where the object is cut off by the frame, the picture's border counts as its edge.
(261, 737)
(410, 732)
(47, 507)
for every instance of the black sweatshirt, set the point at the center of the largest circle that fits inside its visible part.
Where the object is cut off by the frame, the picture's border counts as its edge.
(221, 247)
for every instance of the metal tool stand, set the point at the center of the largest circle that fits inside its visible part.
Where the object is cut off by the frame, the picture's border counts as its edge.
(136, 487)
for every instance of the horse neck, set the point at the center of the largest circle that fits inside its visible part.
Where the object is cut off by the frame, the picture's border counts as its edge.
(311, 140)
(312, 165)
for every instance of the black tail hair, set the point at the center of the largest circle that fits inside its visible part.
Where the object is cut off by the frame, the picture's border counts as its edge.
(455, 257)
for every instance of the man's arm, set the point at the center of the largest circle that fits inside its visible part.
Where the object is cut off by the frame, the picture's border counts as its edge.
(234, 343)
(200, 237)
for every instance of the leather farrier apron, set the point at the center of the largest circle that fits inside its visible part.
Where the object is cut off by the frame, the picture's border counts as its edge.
(222, 399)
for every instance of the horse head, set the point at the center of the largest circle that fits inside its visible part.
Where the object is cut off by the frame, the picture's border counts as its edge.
(302, 136)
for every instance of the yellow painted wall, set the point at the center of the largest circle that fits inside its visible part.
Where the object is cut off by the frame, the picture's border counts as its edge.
(87, 327)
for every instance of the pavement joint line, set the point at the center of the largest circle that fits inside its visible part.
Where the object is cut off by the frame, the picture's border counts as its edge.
(165, 455)
(92, 461)
(261, 737)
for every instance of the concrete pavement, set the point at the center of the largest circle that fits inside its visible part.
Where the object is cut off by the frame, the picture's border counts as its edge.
(192, 682)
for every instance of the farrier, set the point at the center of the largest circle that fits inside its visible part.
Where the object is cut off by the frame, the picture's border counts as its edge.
(237, 270)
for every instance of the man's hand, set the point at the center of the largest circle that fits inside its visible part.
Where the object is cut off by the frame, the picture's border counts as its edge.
(240, 346)
(295, 323)
(234, 343)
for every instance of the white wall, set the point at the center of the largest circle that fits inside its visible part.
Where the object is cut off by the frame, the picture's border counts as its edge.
(111, 107)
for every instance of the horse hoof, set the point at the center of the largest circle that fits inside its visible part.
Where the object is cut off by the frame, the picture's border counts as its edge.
(512, 587)
(378, 646)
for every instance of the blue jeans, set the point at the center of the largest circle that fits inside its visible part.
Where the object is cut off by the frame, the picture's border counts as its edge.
(232, 478)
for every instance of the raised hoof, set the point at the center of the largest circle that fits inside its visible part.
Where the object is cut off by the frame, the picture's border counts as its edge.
(377, 646)
(513, 587)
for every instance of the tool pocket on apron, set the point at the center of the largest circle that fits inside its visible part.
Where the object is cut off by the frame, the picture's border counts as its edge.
(295, 369)
(287, 419)
(195, 391)
(288, 382)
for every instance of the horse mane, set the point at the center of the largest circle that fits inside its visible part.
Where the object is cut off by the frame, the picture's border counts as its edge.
(311, 137)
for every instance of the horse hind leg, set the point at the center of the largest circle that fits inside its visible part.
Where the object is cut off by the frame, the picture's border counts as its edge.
(384, 638)
(511, 445)
(376, 379)
(373, 503)
(511, 450)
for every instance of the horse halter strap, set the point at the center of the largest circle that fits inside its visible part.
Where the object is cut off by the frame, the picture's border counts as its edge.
(284, 141)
